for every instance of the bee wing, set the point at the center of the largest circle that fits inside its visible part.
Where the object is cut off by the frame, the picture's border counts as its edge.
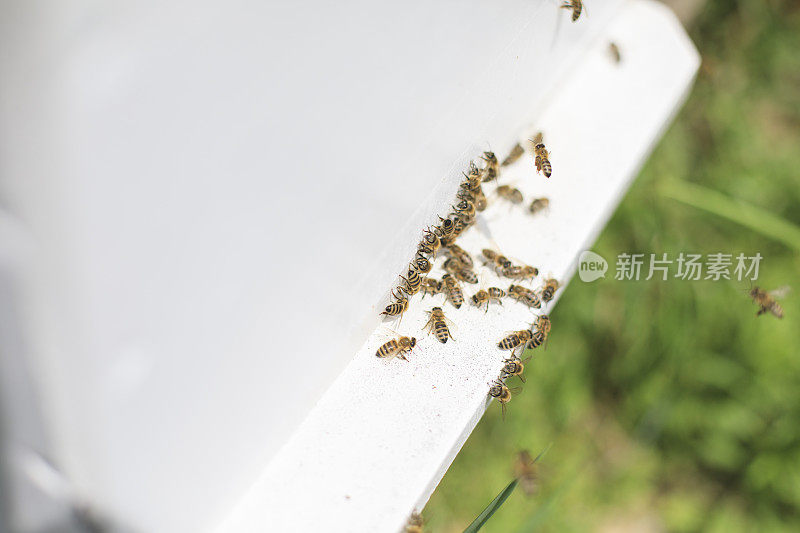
(780, 292)
(451, 325)
(388, 333)
(515, 390)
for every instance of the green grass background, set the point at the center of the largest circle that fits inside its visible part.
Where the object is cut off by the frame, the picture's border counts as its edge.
(669, 405)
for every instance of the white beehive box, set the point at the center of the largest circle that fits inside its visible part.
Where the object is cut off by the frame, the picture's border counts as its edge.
(203, 210)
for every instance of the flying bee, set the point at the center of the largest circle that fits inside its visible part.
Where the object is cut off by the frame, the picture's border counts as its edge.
(539, 204)
(412, 282)
(457, 252)
(613, 50)
(515, 367)
(438, 325)
(526, 470)
(576, 6)
(460, 271)
(515, 154)
(502, 393)
(514, 340)
(512, 194)
(430, 286)
(396, 308)
(525, 296)
(398, 347)
(415, 524)
(766, 300)
(548, 289)
(453, 291)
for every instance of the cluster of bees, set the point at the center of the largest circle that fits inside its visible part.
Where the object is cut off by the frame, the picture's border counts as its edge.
(459, 267)
(460, 270)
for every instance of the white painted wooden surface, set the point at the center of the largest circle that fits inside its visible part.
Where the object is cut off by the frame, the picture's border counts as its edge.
(378, 442)
(177, 179)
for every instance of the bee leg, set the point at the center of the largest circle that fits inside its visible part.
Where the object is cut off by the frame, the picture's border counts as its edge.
(522, 378)
(503, 410)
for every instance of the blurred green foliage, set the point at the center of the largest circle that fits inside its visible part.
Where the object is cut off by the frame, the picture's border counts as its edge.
(670, 406)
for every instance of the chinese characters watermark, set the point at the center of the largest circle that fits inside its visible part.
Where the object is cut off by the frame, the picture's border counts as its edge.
(684, 266)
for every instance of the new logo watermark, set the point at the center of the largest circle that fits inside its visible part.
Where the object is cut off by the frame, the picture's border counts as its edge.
(684, 266)
(591, 266)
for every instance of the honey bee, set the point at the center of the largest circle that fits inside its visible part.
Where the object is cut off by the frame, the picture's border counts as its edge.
(458, 253)
(458, 226)
(539, 204)
(422, 264)
(412, 282)
(486, 296)
(495, 258)
(465, 194)
(453, 291)
(548, 289)
(512, 194)
(576, 6)
(489, 174)
(515, 367)
(538, 337)
(445, 228)
(766, 300)
(472, 181)
(490, 159)
(543, 324)
(520, 272)
(526, 471)
(542, 159)
(525, 296)
(465, 209)
(430, 243)
(437, 324)
(430, 286)
(613, 49)
(460, 271)
(502, 393)
(514, 340)
(491, 168)
(398, 347)
(515, 154)
(396, 308)
(415, 524)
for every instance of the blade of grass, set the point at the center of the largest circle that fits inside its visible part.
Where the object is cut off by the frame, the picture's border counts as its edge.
(491, 508)
(747, 215)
